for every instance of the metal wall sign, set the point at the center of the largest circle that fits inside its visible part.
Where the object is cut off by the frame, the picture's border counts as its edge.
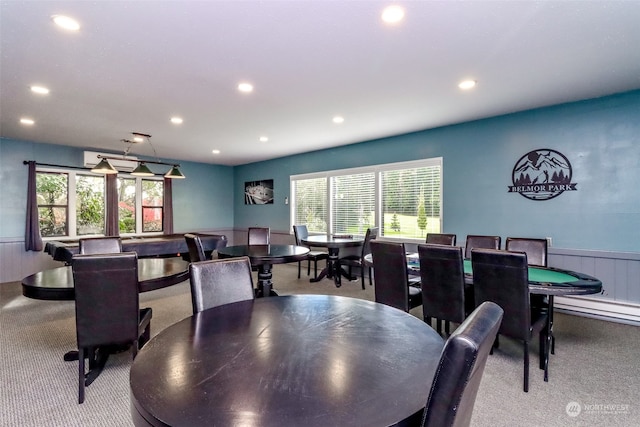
(542, 175)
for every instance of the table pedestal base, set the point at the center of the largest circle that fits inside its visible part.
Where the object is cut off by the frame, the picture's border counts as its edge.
(333, 270)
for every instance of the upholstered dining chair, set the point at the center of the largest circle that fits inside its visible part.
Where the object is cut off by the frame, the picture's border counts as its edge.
(358, 260)
(100, 245)
(441, 239)
(300, 233)
(390, 276)
(259, 235)
(196, 250)
(107, 310)
(459, 373)
(536, 249)
(477, 241)
(444, 294)
(503, 277)
(220, 281)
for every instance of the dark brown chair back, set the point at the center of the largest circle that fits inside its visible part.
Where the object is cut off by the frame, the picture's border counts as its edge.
(196, 250)
(107, 308)
(484, 242)
(441, 239)
(220, 281)
(300, 232)
(100, 245)
(442, 281)
(372, 234)
(259, 235)
(536, 249)
(390, 273)
(457, 379)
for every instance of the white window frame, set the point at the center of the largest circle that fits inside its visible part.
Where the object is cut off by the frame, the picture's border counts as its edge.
(377, 170)
(71, 203)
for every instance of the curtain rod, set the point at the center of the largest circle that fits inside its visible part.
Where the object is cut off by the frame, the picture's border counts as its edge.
(26, 162)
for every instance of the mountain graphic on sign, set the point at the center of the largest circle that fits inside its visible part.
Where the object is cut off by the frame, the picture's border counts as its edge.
(541, 168)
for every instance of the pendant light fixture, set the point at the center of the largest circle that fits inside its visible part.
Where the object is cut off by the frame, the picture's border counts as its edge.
(142, 169)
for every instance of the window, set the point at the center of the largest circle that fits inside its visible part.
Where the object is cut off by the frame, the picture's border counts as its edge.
(73, 203)
(404, 200)
(140, 205)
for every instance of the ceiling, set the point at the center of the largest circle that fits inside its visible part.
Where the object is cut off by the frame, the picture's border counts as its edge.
(134, 65)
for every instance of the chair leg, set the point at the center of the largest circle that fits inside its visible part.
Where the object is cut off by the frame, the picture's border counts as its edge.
(81, 357)
(315, 268)
(308, 267)
(427, 320)
(446, 327)
(526, 367)
(370, 281)
(299, 266)
(439, 326)
(362, 275)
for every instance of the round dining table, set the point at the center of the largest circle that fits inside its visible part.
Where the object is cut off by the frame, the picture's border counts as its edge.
(333, 243)
(263, 257)
(299, 360)
(57, 283)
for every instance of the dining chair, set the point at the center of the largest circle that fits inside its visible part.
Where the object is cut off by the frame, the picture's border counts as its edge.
(457, 379)
(107, 310)
(441, 239)
(390, 276)
(358, 260)
(259, 235)
(196, 250)
(503, 277)
(478, 241)
(300, 233)
(443, 287)
(537, 251)
(100, 245)
(220, 281)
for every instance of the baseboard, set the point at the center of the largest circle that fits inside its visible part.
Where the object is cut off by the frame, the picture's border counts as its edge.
(606, 310)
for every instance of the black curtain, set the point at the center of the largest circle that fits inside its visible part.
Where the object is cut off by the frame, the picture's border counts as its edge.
(112, 206)
(167, 205)
(32, 238)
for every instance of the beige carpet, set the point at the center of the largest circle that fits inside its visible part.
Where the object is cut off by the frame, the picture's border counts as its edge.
(596, 365)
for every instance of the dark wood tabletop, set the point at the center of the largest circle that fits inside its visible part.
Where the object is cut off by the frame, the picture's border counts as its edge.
(57, 283)
(302, 360)
(265, 254)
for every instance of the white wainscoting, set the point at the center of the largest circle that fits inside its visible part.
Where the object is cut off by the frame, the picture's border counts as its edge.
(16, 263)
(620, 276)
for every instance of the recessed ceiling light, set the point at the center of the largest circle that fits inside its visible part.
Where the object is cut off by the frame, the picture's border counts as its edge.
(245, 87)
(215, 151)
(26, 121)
(467, 84)
(264, 139)
(66, 22)
(338, 119)
(137, 138)
(39, 90)
(392, 14)
(176, 120)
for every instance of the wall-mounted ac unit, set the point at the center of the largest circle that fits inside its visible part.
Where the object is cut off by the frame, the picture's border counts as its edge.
(125, 164)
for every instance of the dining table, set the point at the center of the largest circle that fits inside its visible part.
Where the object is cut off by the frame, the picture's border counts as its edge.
(333, 243)
(263, 257)
(57, 283)
(298, 360)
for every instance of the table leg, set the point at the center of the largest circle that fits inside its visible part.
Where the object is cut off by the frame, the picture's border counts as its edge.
(329, 270)
(264, 280)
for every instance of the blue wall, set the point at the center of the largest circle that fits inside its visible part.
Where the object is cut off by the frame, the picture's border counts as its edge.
(202, 201)
(600, 137)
